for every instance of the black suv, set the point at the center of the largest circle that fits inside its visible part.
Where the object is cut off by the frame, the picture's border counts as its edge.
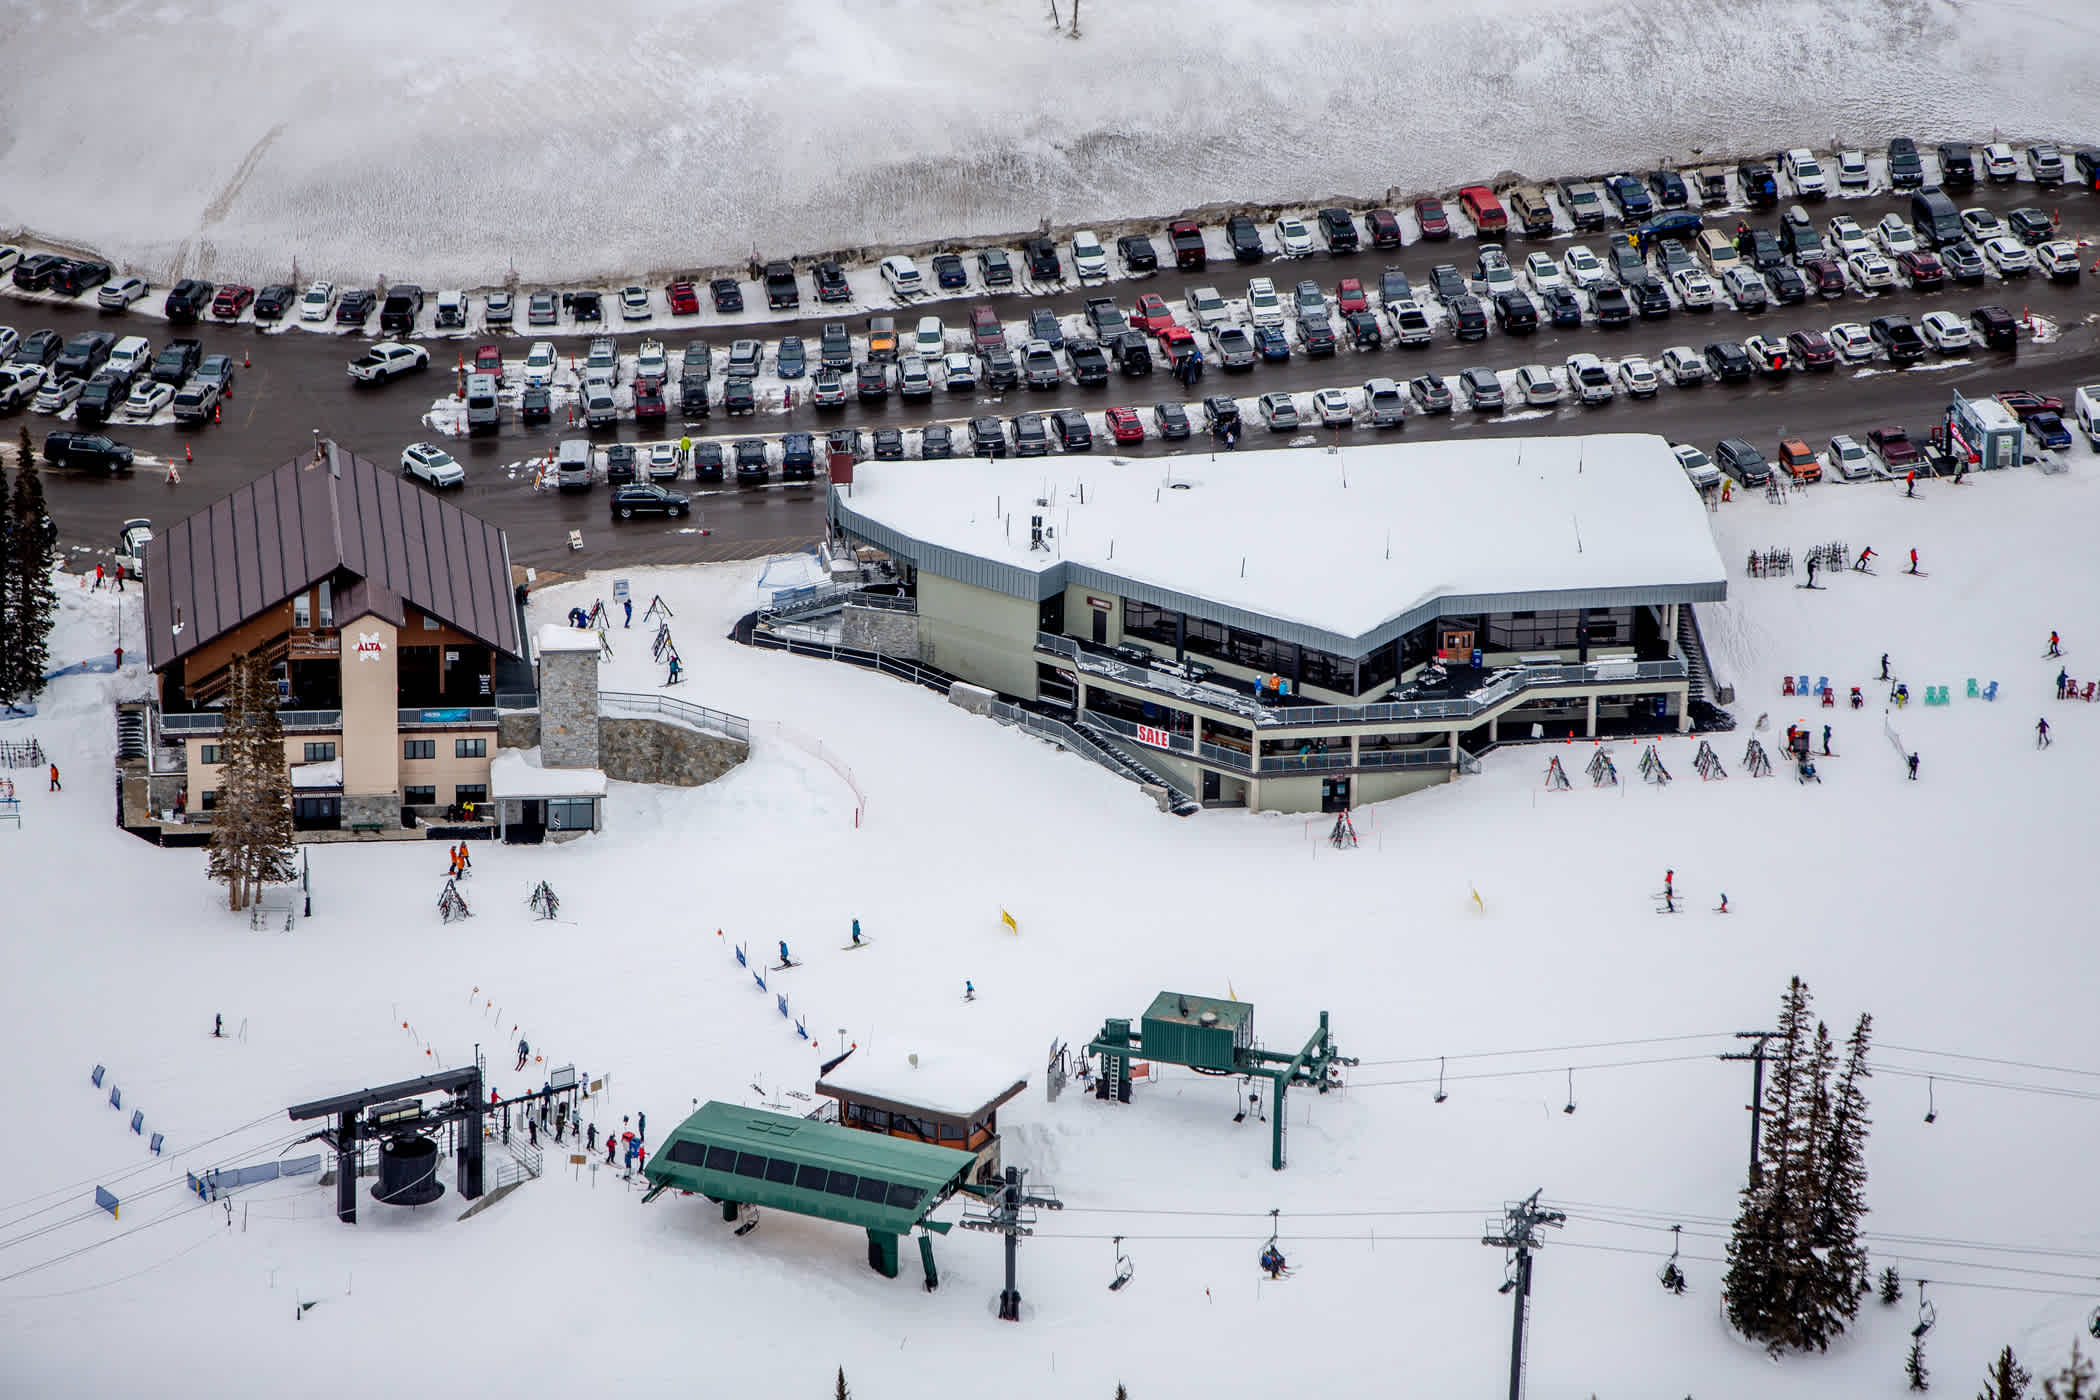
(1515, 314)
(1728, 360)
(1957, 166)
(1468, 317)
(274, 300)
(751, 462)
(352, 309)
(1245, 239)
(1906, 170)
(1073, 434)
(647, 498)
(1897, 336)
(1042, 260)
(987, 437)
(403, 304)
(994, 268)
(1742, 461)
(34, 274)
(1137, 253)
(188, 298)
(949, 274)
(1338, 227)
(798, 457)
(832, 286)
(1669, 189)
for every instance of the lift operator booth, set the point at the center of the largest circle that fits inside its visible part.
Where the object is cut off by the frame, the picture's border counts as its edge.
(1984, 431)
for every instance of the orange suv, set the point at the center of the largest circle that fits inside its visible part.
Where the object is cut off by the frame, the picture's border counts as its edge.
(1798, 462)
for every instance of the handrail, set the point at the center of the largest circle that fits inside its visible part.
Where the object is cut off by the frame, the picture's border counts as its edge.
(699, 716)
(212, 722)
(517, 699)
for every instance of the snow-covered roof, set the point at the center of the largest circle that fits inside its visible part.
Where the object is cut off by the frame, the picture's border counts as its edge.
(947, 1080)
(557, 636)
(1342, 547)
(517, 773)
(318, 775)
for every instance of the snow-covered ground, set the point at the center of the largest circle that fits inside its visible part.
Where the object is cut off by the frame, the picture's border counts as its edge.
(1951, 908)
(448, 143)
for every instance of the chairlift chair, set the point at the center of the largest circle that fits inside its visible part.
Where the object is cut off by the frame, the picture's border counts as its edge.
(1124, 1268)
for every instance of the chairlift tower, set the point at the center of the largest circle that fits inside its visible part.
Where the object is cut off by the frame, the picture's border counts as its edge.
(1518, 1232)
(1009, 1210)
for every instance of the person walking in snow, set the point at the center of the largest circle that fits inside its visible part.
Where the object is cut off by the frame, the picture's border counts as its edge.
(2041, 734)
(532, 1131)
(590, 1134)
(2055, 645)
(628, 620)
(54, 779)
(120, 576)
(98, 578)
(1912, 760)
(1826, 741)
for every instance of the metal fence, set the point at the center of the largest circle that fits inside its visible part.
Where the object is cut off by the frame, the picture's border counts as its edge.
(525, 1164)
(698, 716)
(212, 722)
(1066, 736)
(854, 656)
(517, 699)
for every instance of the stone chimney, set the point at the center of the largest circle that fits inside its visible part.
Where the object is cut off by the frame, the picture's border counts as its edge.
(568, 696)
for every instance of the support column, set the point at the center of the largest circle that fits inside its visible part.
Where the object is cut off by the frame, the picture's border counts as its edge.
(1495, 729)
(882, 1253)
(1670, 627)
(1592, 731)
(1078, 691)
(1684, 710)
(346, 1168)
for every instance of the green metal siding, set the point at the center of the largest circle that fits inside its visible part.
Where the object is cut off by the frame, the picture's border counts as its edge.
(1178, 1037)
(729, 1153)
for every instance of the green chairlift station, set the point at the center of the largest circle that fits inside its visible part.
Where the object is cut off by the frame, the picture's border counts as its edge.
(1213, 1037)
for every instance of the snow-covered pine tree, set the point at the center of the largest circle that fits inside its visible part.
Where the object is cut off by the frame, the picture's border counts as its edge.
(1841, 1194)
(1914, 1366)
(2006, 1380)
(272, 859)
(1761, 1250)
(31, 601)
(1891, 1286)
(2073, 1382)
(1809, 1282)
(9, 668)
(251, 842)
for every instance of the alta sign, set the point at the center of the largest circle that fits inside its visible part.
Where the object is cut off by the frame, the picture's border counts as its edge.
(369, 646)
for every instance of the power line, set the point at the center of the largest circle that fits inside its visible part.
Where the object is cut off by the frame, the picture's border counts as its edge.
(1526, 1073)
(1552, 1049)
(121, 1174)
(1988, 1060)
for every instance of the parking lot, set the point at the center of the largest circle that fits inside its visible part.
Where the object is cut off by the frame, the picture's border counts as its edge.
(296, 382)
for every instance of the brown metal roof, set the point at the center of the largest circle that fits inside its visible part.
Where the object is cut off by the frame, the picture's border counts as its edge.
(319, 513)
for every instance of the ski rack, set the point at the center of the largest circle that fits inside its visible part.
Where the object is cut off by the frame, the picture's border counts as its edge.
(1652, 770)
(1603, 772)
(1709, 763)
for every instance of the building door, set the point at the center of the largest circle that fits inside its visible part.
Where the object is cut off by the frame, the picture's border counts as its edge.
(1210, 786)
(1334, 795)
(1100, 627)
(530, 828)
(1459, 640)
(317, 813)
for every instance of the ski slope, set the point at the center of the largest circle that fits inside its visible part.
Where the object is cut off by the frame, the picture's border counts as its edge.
(452, 145)
(1952, 908)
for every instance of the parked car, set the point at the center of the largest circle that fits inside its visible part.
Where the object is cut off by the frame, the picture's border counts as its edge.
(1737, 457)
(1682, 366)
(902, 275)
(86, 452)
(1137, 253)
(1893, 445)
(1537, 386)
(1482, 388)
(2046, 163)
(388, 360)
(117, 295)
(1278, 413)
(1124, 426)
(1945, 332)
(1431, 218)
(682, 297)
(1186, 238)
(2058, 259)
(2009, 256)
(725, 293)
(1798, 461)
(752, 465)
(1811, 350)
(1853, 341)
(1847, 458)
(147, 398)
(1384, 227)
(1922, 269)
(987, 437)
(1906, 169)
(1293, 238)
(433, 465)
(832, 286)
(1768, 354)
(497, 309)
(1729, 361)
(994, 267)
(2048, 431)
(936, 442)
(354, 307)
(1430, 393)
(1698, 467)
(1040, 256)
(1588, 378)
(1170, 421)
(1806, 173)
(1031, 435)
(1995, 327)
(1897, 338)
(1852, 170)
(186, 300)
(1745, 288)
(2030, 226)
(1070, 427)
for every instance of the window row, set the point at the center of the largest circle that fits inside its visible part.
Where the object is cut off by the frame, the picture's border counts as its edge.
(1559, 631)
(779, 1171)
(925, 1129)
(1303, 665)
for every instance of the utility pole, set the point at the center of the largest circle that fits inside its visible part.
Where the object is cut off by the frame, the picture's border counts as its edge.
(1519, 1231)
(1010, 1211)
(1756, 1057)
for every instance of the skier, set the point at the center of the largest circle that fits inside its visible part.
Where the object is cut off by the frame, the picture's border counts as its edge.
(1826, 741)
(2041, 734)
(672, 678)
(55, 787)
(1272, 1261)
(1912, 760)
(218, 1027)
(523, 1051)
(627, 621)
(785, 960)
(641, 1155)
(2055, 645)
(1914, 561)
(1670, 876)
(611, 1142)
(1866, 556)
(1811, 571)
(1910, 482)
(856, 922)
(590, 1134)
(969, 991)
(1884, 665)
(1724, 903)
(1857, 700)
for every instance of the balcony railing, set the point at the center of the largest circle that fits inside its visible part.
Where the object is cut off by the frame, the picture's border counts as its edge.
(214, 721)
(1501, 687)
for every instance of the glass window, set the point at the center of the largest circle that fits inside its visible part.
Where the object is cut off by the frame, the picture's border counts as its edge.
(1328, 671)
(750, 1164)
(810, 1178)
(430, 624)
(721, 1159)
(426, 796)
(841, 1183)
(692, 1154)
(872, 1188)
(207, 801)
(1153, 623)
(781, 1172)
(951, 1133)
(302, 610)
(903, 1197)
(320, 753)
(571, 814)
(419, 748)
(210, 753)
(470, 748)
(327, 609)
(875, 1117)
(470, 792)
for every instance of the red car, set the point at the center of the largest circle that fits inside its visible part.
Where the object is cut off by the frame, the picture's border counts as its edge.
(231, 302)
(1123, 425)
(1429, 213)
(1895, 447)
(1824, 275)
(1812, 350)
(649, 401)
(985, 331)
(1349, 296)
(684, 298)
(1177, 343)
(488, 359)
(2025, 403)
(1152, 314)
(1385, 228)
(1922, 268)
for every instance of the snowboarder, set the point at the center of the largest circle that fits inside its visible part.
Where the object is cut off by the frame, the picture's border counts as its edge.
(54, 779)
(218, 1027)
(523, 1051)
(856, 922)
(1811, 571)
(2063, 681)
(969, 991)
(1826, 741)
(627, 621)
(1866, 557)
(1910, 482)
(2055, 645)
(1912, 761)
(1884, 665)
(2041, 734)
(1914, 561)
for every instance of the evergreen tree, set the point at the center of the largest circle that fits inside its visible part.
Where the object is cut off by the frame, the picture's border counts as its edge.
(1914, 1367)
(1121, 1394)
(32, 603)
(1891, 1285)
(841, 1393)
(2073, 1382)
(10, 670)
(1760, 1284)
(2006, 1380)
(1841, 1193)
(251, 842)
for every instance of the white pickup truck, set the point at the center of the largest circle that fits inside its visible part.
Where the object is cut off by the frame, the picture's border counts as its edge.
(2087, 407)
(387, 359)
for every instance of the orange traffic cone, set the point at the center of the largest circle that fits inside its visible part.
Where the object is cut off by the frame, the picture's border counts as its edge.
(244, 361)
(215, 414)
(186, 456)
